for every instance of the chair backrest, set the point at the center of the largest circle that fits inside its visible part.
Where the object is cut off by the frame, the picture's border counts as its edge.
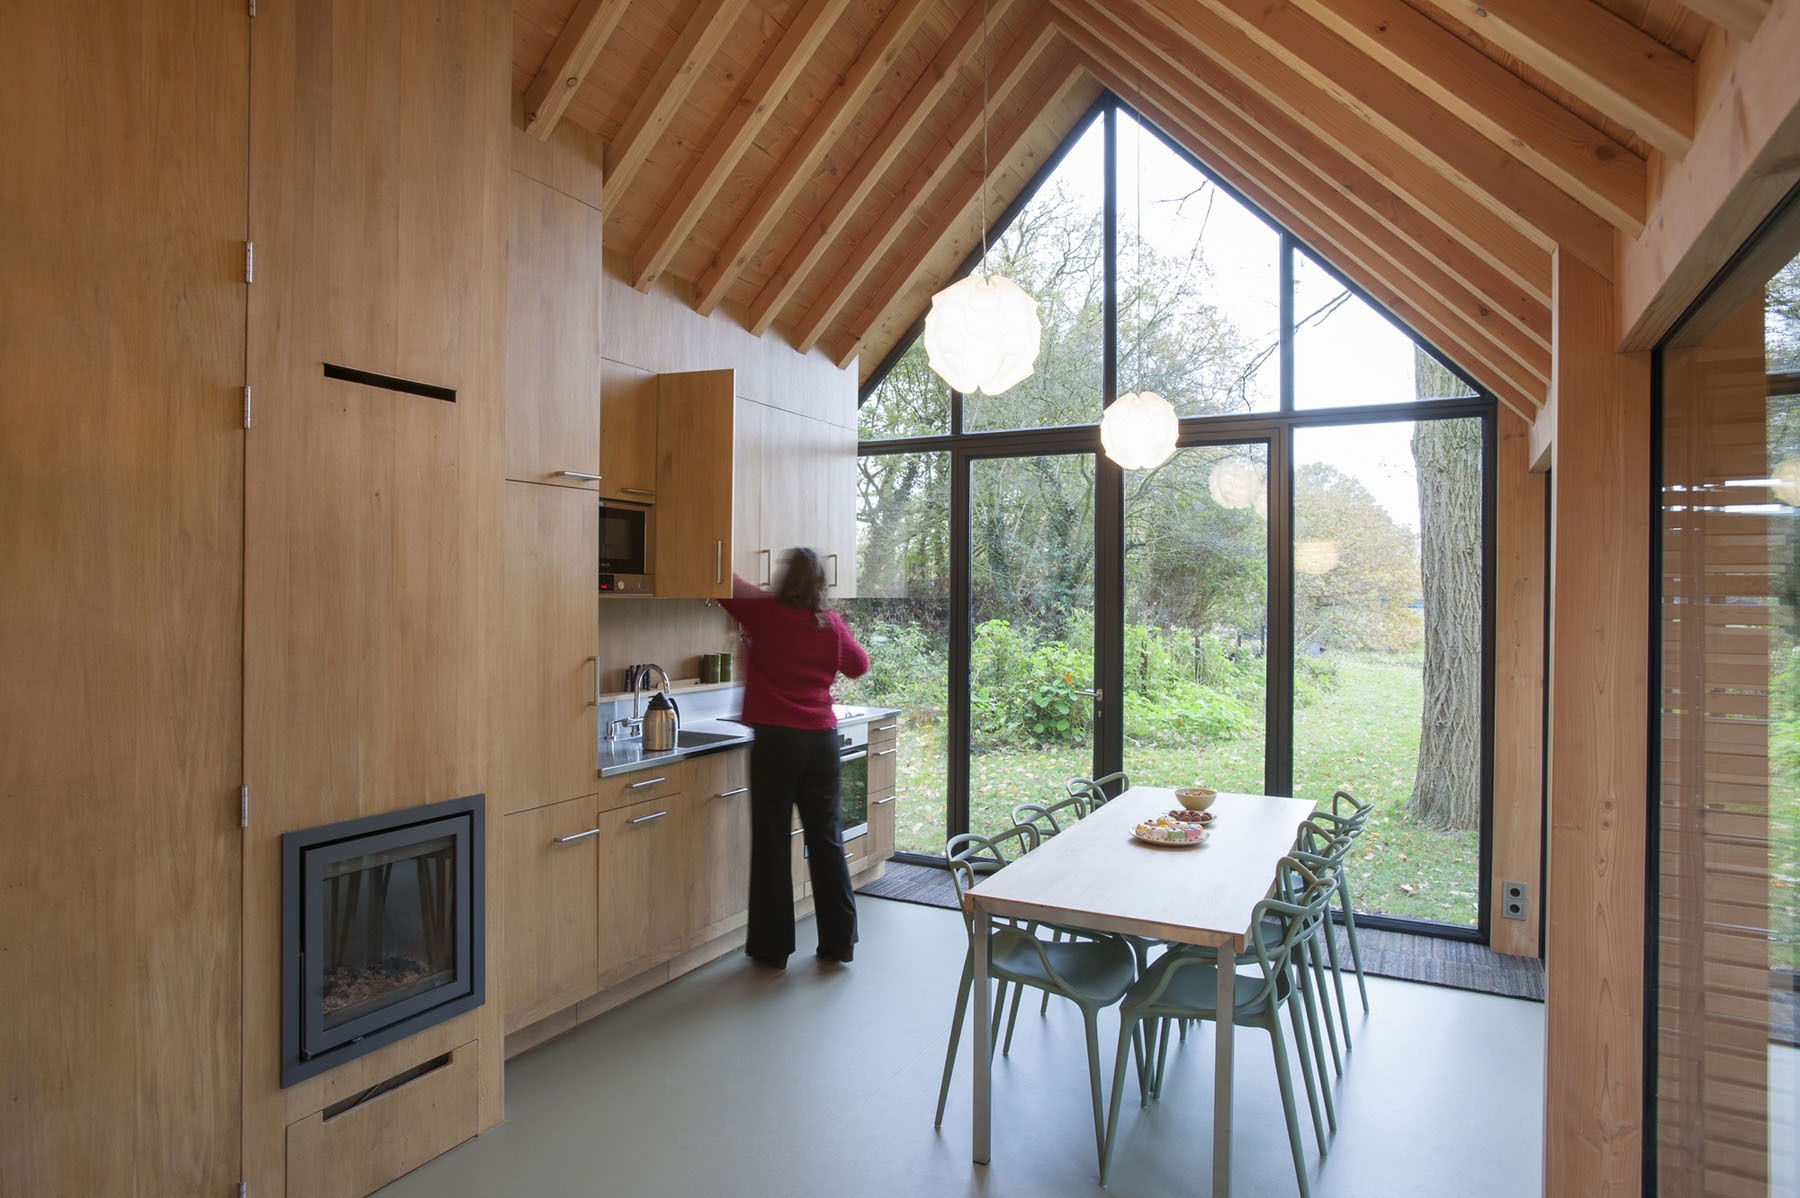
(1095, 791)
(1283, 922)
(1044, 817)
(972, 856)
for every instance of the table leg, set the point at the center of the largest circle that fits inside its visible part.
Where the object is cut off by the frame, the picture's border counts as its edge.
(983, 1037)
(1226, 991)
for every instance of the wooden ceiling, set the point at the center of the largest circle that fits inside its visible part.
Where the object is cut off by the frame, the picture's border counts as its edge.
(815, 165)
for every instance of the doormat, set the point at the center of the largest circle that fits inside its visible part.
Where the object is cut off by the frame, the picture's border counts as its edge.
(1408, 958)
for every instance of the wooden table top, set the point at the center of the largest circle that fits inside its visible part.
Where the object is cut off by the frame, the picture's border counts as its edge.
(1096, 874)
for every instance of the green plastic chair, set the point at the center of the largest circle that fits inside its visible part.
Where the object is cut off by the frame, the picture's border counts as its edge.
(1349, 817)
(1095, 790)
(1092, 972)
(1050, 818)
(1183, 985)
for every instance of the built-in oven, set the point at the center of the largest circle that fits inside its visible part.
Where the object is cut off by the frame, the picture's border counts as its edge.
(627, 548)
(853, 778)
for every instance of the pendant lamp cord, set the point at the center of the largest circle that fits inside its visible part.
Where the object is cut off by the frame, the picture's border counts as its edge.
(981, 217)
(1137, 190)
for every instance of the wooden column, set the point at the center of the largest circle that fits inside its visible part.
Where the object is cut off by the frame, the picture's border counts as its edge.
(1594, 1032)
(1520, 561)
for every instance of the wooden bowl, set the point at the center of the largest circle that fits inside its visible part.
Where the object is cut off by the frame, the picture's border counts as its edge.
(1196, 798)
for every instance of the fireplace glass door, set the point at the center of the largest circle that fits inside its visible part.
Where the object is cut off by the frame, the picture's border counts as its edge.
(389, 930)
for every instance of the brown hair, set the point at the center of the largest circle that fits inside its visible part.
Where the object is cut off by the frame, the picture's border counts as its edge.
(802, 582)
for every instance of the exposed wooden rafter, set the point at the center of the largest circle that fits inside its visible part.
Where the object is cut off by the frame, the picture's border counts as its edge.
(567, 64)
(1443, 309)
(1009, 71)
(1593, 168)
(750, 112)
(1277, 102)
(822, 132)
(700, 39)
(906, 119)
(1518, 195)
(1741, 17)
(1602, 58)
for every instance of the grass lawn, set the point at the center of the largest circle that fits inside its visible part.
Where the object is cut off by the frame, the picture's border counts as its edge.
(1362, 736)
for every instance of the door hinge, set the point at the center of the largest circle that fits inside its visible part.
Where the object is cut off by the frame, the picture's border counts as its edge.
(253, 7)
(246, 405)
(244, 806)
(249, 262)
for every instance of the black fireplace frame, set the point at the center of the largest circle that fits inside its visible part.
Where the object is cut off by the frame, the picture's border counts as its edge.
(307, 1048)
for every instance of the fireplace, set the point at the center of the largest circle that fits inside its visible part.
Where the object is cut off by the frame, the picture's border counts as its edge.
(381, 931)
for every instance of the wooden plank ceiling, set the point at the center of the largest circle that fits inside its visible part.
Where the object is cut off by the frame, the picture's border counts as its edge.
(815, 165)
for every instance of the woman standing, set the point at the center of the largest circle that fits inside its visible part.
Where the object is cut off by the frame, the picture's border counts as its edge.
(797, 648)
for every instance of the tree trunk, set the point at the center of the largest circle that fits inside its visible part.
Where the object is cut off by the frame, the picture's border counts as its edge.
(1446, 791)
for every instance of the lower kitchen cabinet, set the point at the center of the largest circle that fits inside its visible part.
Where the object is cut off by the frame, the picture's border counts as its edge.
(719, 803)
(548, 917)
(646, 866)
(883, 771)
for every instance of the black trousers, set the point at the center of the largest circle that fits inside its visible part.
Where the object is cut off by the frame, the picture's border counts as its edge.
(789, 768)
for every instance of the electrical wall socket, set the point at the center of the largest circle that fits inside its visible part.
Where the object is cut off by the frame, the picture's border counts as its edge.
(1512, 900)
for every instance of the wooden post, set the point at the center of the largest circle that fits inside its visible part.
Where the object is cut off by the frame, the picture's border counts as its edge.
(1599, 642)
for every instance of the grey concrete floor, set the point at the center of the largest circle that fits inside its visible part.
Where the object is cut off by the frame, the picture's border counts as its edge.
(821, 1080)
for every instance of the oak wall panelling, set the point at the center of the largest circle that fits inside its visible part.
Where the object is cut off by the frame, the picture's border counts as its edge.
(121, 531)
(378, 204)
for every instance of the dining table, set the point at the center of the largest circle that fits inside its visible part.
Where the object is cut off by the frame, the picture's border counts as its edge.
(1096, 874)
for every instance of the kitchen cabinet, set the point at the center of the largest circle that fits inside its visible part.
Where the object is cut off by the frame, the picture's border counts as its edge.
(883, 770)
(548, 641)
(553, 379)
(645, 868)
(739, 482)
(628, 398)
(719, 799)
(640, 786)
(549, 919)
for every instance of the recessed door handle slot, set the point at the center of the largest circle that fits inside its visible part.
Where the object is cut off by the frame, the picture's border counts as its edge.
(388, 382)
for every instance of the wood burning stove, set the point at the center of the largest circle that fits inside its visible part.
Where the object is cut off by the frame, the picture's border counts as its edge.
(381, 923)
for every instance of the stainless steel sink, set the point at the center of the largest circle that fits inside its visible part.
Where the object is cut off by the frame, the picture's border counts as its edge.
(685, 739)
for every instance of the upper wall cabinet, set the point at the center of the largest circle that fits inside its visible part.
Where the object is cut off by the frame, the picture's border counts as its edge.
(627, 432)
(696, 526)
(552, 338)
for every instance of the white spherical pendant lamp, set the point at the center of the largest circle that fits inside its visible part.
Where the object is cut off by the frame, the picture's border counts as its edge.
(982, 334)
(1236, 483)
(1138, 430)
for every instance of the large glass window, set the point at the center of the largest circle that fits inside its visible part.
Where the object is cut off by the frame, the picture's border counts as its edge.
(1726, 920)
(1294, 603)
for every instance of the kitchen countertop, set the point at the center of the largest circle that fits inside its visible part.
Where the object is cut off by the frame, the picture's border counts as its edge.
(623, 756)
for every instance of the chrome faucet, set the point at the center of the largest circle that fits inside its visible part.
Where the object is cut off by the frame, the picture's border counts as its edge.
(635, 680)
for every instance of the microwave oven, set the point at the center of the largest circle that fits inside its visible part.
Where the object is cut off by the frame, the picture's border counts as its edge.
(627, 548)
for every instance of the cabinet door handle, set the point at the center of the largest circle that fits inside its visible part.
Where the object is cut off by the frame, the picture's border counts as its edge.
(595, 701)
(832, 557)
(575, 837)
(586, 478)
(742, 790)
(886, 727)
(847, 856)
(884, 802)
(796, 832)
(646, 782)
(885, 753)
(644, 819)
(718, 563)
(637, 491)
(768, 556)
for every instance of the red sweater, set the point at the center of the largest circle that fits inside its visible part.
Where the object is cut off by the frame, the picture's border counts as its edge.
(793, 659)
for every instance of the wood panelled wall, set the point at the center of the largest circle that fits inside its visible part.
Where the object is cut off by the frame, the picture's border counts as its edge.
(378, 204)
(1722, 571)
(121, 493)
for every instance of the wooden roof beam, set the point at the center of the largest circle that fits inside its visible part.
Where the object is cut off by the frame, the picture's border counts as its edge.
(1518, 195)
(777, 194)
(1603, 59)
(1597, 171)
(701, 36)
(1482, 293)
(955, 205)
(847, 200)
(568, 63)
(1275, 100)
(1438, 305)
(1316, 224)
(1742, 17)
(948, 147)
(750, 112)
